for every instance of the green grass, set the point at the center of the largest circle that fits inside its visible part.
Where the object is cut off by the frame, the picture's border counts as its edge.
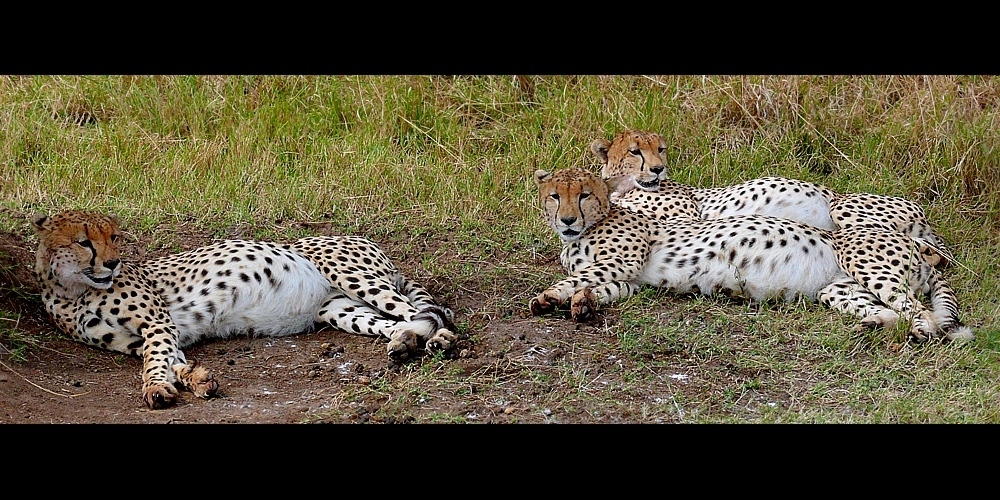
(408, 158)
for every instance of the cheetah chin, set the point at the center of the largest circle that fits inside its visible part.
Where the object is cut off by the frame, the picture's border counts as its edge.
(102, 282)
(649, 185)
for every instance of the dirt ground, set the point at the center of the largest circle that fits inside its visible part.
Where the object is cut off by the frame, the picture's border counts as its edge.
(508, 367)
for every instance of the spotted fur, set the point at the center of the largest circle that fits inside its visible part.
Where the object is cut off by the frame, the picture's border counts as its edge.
(641, 157)
(155, 308)
(610, 250)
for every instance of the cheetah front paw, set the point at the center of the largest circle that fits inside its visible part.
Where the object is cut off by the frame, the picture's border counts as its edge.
(159, 395)
(442, 341)
(544, 302)
(583, 305)
(197, 379)
(402, 344)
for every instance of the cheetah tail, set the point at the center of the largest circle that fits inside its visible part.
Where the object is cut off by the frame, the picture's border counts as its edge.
(960, 333)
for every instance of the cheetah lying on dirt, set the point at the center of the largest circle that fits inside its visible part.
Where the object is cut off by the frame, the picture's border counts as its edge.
(153, 309)
(610, 250)
(641, 157)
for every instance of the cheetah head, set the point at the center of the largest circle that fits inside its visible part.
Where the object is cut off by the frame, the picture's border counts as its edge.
(573, 199)
(638, 156)
(78, 249)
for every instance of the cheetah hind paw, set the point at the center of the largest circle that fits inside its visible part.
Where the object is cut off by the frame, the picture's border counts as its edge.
(886, 318)
(402, 343)
(923, 328)
(442, 341)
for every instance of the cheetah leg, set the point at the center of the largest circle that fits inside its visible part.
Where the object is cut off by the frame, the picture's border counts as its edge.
(156, 345)
(418, 296)
(586, 300)
(896, 278)
(431, 326)
(945, 308)
(443, 337)
(401, 299)
(594, 276)
(902, 300)
(355, 316)
(900, 297)
(848, 296)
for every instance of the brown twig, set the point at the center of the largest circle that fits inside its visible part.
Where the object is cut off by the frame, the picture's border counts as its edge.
(40, 387)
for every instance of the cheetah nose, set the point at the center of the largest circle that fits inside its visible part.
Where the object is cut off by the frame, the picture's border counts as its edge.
(657, 170)
(112, 264)
(568, 220)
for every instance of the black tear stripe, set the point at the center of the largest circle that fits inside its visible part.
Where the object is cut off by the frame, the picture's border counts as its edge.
(93, 253)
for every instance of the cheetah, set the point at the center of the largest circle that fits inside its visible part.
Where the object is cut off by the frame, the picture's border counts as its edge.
(155, 308)
(609, 251)
(642, 156)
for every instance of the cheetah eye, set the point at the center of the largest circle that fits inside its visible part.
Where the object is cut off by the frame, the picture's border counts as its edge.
(84, 242)
(554, 196)
(662, 149)
(584, 196)
(114, 238)
(634, 151)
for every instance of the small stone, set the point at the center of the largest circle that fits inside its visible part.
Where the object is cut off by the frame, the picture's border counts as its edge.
(363, 380)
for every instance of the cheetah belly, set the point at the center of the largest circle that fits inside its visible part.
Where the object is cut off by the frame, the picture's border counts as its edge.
(283, 302)
(752, 271)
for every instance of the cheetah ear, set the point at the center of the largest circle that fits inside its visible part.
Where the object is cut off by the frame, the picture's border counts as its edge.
(542, 176)
(931, 254)
(617, 182)
(114, 218)
(600, 149)
(38, 221)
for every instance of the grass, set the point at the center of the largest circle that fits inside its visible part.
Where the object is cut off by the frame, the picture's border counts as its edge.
(402, 159)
